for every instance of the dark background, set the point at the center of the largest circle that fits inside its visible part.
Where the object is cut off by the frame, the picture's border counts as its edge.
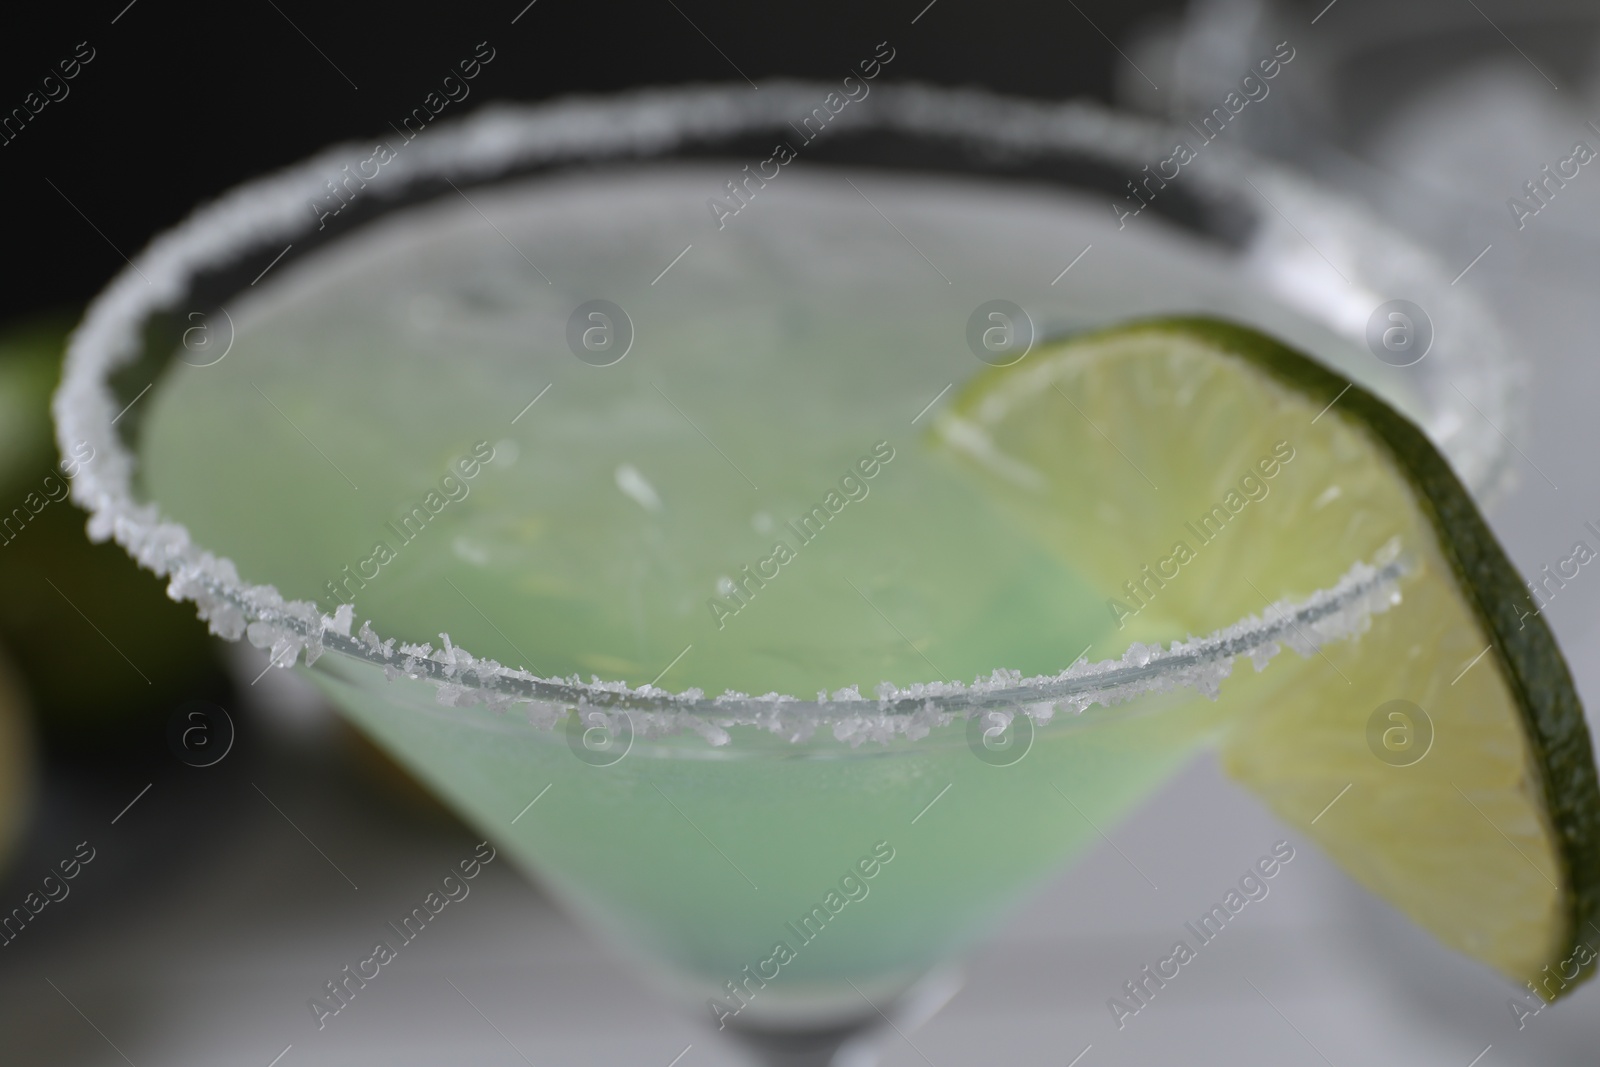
(183, 101)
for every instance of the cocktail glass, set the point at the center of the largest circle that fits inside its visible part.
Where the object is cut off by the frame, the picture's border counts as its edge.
(794, 866)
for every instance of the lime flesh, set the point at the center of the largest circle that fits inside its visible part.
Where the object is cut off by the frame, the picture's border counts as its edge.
(1199, 471)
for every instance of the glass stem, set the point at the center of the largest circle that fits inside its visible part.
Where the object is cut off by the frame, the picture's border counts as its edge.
(847, 1045)
(855, 1043)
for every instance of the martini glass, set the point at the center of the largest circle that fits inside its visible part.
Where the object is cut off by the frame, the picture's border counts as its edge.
(331, 349)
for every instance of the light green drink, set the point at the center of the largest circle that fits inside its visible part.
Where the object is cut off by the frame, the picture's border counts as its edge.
(610, 531)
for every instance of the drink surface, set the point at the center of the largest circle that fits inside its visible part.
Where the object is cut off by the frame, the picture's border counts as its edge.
(747, 495)
(628, 523)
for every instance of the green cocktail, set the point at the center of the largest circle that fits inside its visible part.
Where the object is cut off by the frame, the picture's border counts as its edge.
(610, 532)
(568, 424)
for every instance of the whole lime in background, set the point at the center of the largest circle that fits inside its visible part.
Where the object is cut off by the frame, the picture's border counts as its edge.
(100, 653)
(17, 764)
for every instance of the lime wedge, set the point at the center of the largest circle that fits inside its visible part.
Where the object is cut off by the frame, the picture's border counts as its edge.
(1198, 472)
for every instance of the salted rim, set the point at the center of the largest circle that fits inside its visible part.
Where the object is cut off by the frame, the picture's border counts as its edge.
(272, 210)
